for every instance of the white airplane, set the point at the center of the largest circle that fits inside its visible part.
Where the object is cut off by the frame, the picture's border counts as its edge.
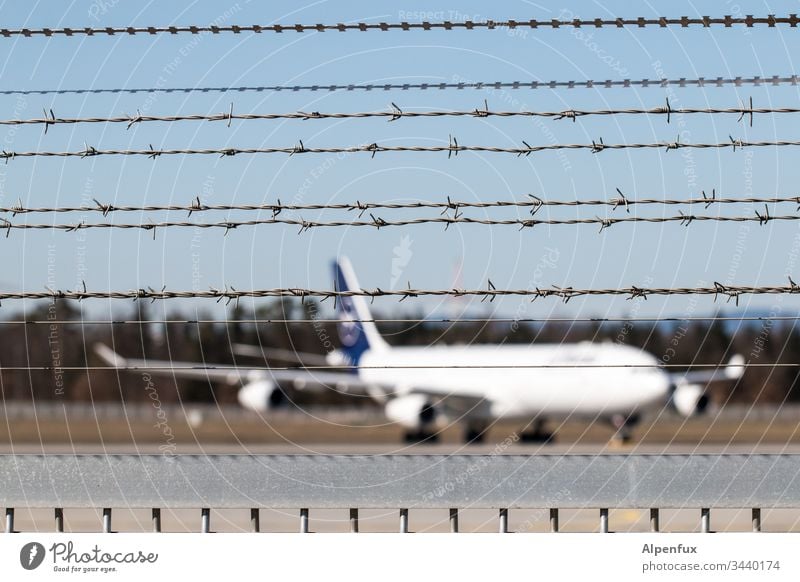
(423, 388)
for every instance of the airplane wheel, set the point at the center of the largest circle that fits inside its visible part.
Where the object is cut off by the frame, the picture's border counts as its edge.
(624, 426)
(474, 435)
(537, 434)
(420, 437)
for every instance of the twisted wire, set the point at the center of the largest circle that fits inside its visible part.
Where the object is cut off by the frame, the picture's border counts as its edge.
(726, 21)
(415, 320)
(378, 223)
(490, 293)
(341, 367)
(453, 148)
(396, 113)
(533, 203)
(719, 81)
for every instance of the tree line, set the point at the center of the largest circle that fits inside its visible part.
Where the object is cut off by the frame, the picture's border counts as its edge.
(55, 361)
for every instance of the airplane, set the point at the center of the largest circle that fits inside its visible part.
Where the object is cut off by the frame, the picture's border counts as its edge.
(423, 388)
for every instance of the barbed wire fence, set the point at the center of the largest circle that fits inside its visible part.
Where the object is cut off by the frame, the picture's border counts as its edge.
(396, 113)
(451, 210)
(453, 148)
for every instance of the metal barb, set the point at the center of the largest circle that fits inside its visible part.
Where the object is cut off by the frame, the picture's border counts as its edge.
(568, 114)
(104, 208)
(736, 143)
(134, 120)
(452, 148)
(483, 112)
(711, 199)
(747, 112)
(490, 295)
(537, 204)
(88, 151)
(636, 292)
(621, 200)
(763, 218)
(377, 221)
(604, 223)
(301, 149)
(48, 120)
(686, 219)
(667, 109)
(675, 144)
(397, 113)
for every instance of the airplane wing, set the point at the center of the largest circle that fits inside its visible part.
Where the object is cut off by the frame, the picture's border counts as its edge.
(452, 404)
(733, 370)
(303, 358)
(300, 379)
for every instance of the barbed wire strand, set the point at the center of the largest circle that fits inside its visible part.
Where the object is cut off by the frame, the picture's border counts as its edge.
(452, 149)
(534, 203)
(415, 320)
(682, 82)
(726, 21)
(397, 113)
(378, 222)
(230, 294)
(343, 367)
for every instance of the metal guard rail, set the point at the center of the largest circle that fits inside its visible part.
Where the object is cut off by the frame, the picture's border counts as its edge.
(502, 482)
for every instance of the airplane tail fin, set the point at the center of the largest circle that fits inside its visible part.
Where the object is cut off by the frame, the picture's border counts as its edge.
(357, 332)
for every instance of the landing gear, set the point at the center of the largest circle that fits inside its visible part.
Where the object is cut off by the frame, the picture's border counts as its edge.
(537, 433)
(420, 437)
(624, 426)
(475, 434)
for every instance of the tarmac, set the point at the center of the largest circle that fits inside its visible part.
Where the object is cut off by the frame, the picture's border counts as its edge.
(763, 433)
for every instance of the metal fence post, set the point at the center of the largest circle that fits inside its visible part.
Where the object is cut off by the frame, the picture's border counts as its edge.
(106, 520)
(205, 520)
(654, 520)
(453, 520)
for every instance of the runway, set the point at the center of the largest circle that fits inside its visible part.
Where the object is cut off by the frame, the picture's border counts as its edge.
(110, 430)
(471, 519)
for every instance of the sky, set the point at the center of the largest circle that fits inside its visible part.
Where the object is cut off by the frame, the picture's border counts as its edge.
(426, 256)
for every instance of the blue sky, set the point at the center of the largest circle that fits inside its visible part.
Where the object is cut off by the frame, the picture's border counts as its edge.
(276, 256)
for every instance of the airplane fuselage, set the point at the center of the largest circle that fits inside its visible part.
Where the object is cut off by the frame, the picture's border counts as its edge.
(586, 379)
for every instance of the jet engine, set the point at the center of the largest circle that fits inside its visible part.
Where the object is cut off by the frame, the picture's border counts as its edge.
(261, 395)
(689, 399)
(414, 411)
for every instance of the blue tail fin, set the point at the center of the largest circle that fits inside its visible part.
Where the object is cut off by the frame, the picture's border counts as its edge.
(357, 335)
